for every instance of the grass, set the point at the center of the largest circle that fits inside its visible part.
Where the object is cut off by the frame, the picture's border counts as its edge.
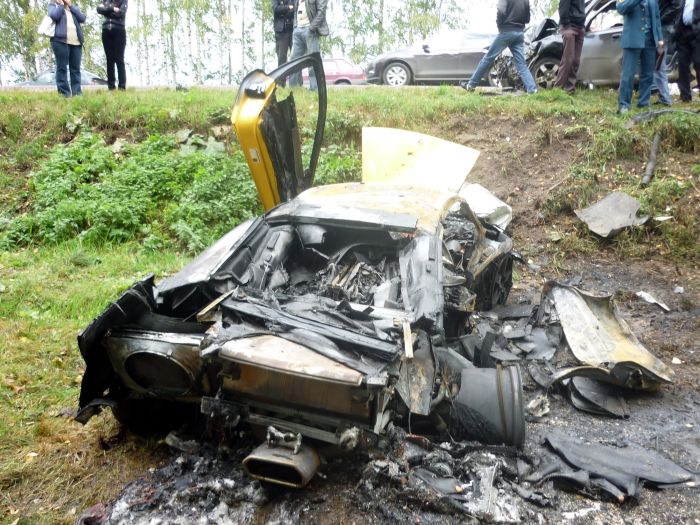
(50, 288)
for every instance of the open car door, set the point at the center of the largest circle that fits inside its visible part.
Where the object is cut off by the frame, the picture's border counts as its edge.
(265, 119)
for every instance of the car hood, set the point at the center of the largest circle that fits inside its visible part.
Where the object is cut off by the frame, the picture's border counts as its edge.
(266, 125)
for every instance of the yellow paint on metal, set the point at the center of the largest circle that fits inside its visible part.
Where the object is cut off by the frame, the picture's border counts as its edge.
(247, 118)
(406, 157)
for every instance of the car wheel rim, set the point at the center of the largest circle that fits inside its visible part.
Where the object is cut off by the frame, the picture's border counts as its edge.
(546, 75)
(396, 76)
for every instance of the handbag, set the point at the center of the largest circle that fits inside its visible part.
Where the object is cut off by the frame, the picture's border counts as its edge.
(47, 27)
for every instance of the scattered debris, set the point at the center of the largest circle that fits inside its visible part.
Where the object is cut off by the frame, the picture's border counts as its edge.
(651, 163)
(645, 296)
(679, 289)
(182, 135)
(487, 206)
(612, 214)
(676, 361)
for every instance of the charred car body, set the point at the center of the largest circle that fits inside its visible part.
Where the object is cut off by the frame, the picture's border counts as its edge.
(332, 318)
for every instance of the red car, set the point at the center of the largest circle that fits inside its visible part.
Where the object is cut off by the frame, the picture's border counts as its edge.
(340, 71)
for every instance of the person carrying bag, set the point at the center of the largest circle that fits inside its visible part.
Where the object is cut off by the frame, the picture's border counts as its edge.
(67, 45)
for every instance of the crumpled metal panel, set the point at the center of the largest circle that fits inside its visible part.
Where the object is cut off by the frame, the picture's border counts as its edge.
(612, 214)
(275, 353)
(600, 338)
(406, 157)
(378, 203)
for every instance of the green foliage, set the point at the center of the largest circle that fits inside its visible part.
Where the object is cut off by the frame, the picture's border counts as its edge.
(338, 164)
(152, 193)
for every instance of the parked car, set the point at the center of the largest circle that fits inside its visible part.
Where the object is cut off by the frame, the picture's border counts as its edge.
(48, 78)
(330, 319)
(445, 58)
(601, 56)
(340, 71)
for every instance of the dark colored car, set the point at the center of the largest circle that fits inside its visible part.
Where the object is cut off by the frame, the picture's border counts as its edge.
(329, 320)
(48, 78)
(446, 58)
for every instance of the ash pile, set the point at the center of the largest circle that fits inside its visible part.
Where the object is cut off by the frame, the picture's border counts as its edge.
(579, 354)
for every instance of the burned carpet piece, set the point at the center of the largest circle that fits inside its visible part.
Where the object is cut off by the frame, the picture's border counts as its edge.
(624, 468)
(595, 397)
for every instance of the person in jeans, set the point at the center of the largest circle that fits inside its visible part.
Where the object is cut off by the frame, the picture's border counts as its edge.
(687, 38)
(114, 39)
(309, 24)
(641, 36)
(511, 18)
(283, 23)
(572, 22)
(67, 45)
(669, 11)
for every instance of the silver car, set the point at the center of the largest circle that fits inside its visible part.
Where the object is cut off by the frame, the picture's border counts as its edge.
(445, 58)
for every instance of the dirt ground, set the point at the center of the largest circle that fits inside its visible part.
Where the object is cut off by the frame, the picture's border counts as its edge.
(520, 163)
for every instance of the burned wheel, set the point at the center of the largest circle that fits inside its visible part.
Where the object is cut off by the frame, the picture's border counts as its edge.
(545, 72)
(494, 284)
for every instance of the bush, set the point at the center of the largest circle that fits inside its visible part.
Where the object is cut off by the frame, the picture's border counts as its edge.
(152, 193)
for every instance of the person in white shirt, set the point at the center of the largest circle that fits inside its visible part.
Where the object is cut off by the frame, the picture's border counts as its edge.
(309, 24)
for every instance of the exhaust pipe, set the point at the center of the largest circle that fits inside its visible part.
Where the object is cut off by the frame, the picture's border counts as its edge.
(281, 465)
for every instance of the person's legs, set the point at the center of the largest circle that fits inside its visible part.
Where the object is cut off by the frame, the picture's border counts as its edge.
(579, 35)
(629, 66)
(60, 53)
(76, 55)
(119, 48)
(685, 51)
(108, 45)
(312, 46)
(517, 49)
(568, 66)
(298, 49)
(646, 74)
(283, 43)
(499, 43)
(661, 75)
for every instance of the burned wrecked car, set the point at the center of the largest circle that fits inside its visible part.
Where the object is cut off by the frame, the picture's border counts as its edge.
(332, 319)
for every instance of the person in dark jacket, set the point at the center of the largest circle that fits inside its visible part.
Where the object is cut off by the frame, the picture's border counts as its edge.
(114, 39)
(640, 40)
(687, 38)
(669, 10)
(511, 18)
(283, 22)
(309, 25)
(67, 45)
(572, 23)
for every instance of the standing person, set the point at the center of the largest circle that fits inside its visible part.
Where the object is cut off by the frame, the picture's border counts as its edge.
(511, 18)
(283, 22)
(67, 45)
(687, 38)
(309, 24)
(572, 23)
(114, 39)
(669, 10)
(641, 36)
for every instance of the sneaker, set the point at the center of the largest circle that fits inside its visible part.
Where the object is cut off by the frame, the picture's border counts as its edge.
(465, 85)
(532, 92)
(623, 111)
